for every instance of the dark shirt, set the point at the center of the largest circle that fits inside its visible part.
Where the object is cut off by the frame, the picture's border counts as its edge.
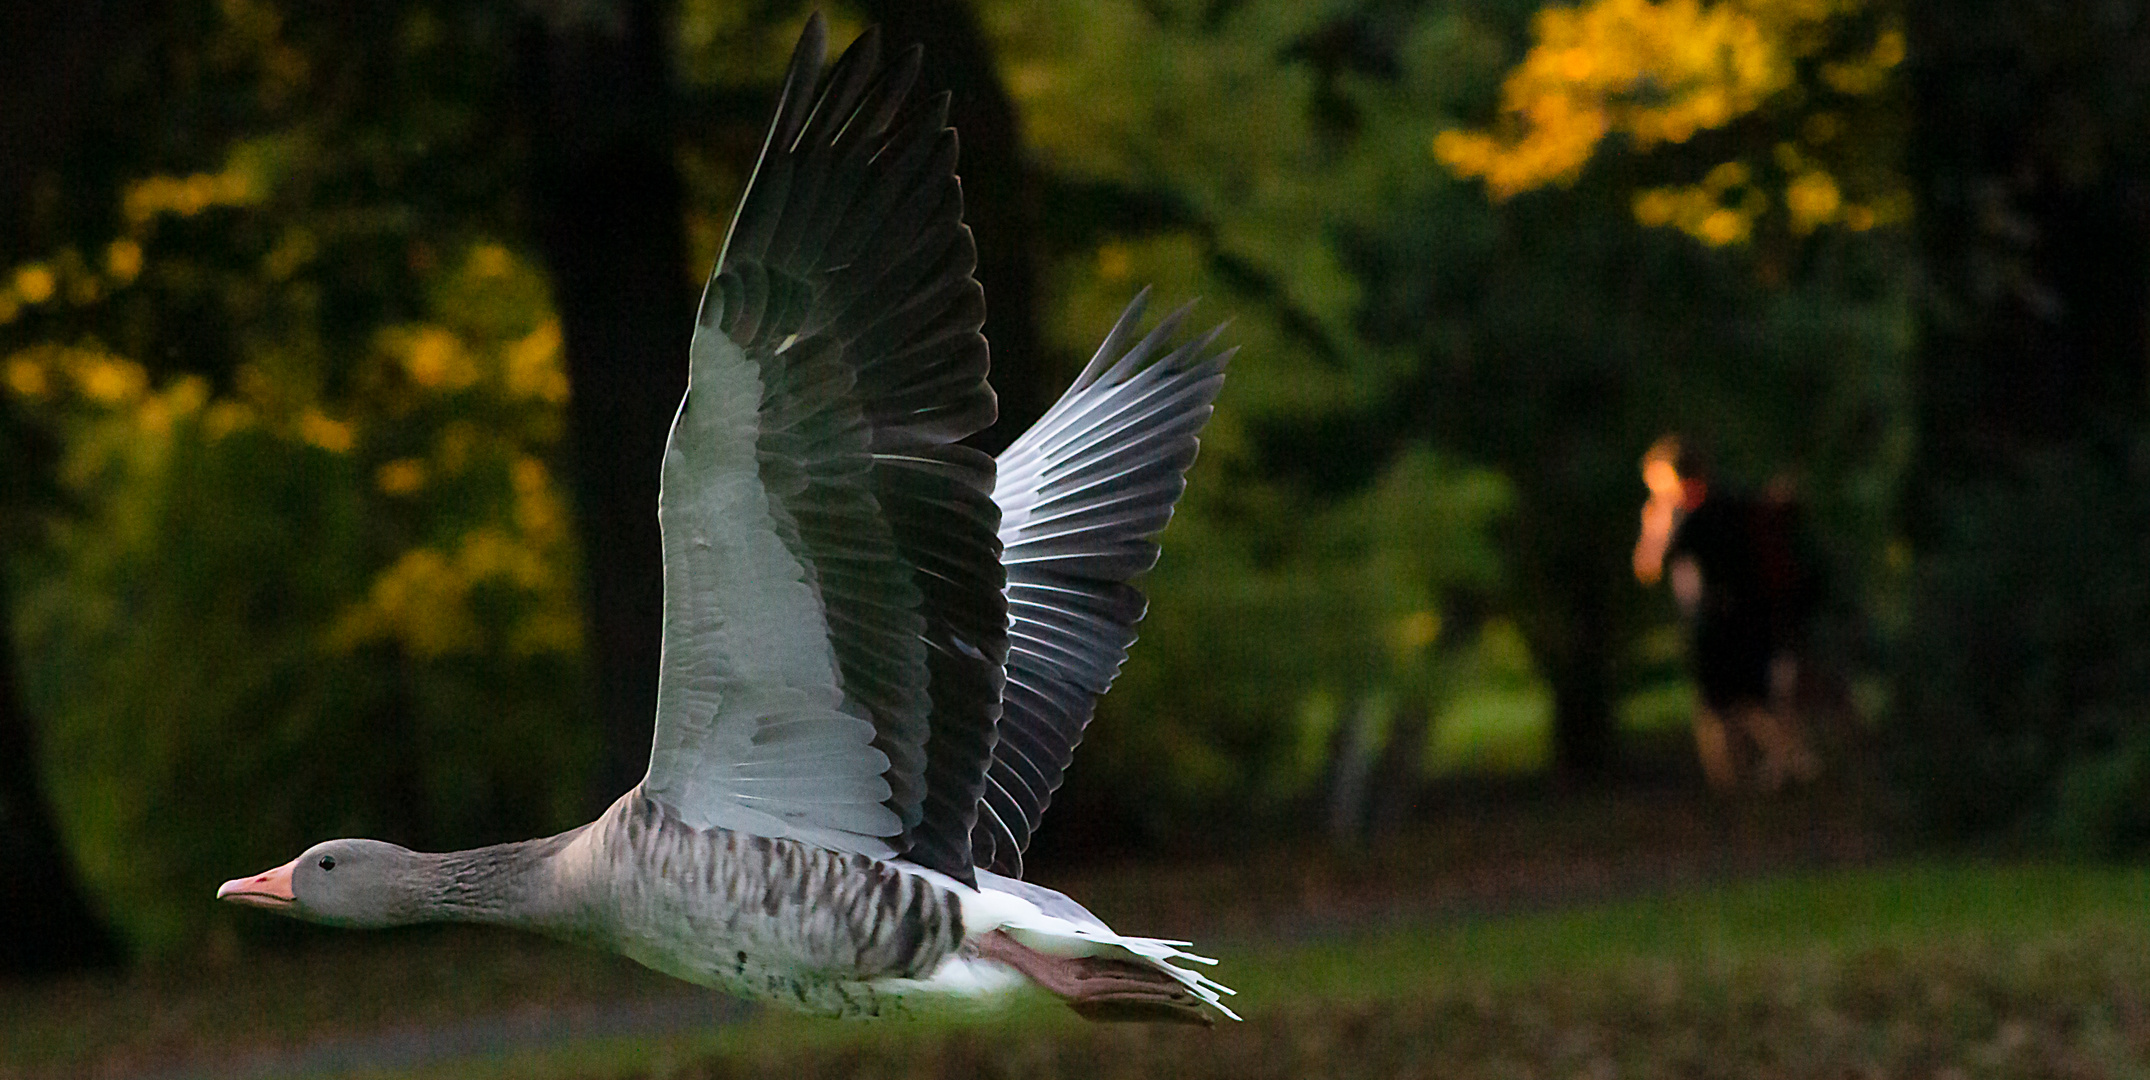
(1754, 593)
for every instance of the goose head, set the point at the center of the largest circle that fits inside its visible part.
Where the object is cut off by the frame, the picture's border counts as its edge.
(353, 883)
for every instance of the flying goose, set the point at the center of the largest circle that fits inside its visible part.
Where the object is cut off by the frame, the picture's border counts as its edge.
(880, 646)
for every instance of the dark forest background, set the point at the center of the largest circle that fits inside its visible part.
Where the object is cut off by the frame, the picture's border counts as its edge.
(337, 344)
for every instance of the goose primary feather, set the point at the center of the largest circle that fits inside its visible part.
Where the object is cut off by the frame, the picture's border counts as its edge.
(880, 645)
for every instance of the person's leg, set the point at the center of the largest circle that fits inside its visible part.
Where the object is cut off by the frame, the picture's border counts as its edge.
(1785, 755)
(1714, 747)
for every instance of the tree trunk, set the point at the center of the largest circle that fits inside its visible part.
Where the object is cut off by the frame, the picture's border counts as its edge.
(596, 103)
(999, 195)
(1397, 776)
(1566, 564)
(2034, 222)
(1581, 674)
(2027, 657)
(49, 60)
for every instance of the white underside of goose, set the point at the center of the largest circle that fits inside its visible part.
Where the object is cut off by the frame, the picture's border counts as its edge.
(966, 980)
(789, 922)
(881, 647)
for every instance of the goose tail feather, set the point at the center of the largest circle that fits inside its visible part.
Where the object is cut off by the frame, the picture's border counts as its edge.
(1103, 974)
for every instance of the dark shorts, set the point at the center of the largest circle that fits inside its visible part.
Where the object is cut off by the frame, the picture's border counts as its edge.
(1731, 654)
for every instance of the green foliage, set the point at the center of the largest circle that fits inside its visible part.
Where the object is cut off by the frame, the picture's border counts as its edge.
(2102, 800)
(1227, 704)
(1282, 155)
(2024, 658)
(317, 578)
(314, 576)
(231, 663)
(1316, 560)
(1498, 711)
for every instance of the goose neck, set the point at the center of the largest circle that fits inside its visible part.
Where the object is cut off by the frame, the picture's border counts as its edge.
(504, 884)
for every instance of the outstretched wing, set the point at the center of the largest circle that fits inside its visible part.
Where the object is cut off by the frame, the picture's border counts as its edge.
(1081, 495)
(833, 586)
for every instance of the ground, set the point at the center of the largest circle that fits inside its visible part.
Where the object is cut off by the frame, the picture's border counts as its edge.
(1640, 934)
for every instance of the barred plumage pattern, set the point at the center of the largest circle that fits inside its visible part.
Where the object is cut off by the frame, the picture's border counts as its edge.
(768, 918)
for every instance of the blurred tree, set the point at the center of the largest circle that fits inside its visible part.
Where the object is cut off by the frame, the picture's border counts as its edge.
(600, 110)
(313, 210)
(1180, 145)
(1000, 199)
(2025, 673)
(47, 57)
(1589, 338)
(595, 95)
(284, 286)
(1788, 105)
(274, 307)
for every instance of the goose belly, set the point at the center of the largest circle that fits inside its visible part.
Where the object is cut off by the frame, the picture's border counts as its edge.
(959, 984)
(776, 920)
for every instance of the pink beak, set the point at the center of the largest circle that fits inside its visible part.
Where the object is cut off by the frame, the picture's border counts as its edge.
(268, 890)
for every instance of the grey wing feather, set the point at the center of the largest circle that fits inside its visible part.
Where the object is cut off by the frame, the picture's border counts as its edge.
(832, 577)
(1082, 495)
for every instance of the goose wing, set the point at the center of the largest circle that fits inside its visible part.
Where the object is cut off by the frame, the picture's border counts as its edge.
(833, 589)
(1081, 496)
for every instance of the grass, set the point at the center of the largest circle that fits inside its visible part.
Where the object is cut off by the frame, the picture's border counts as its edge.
(1928, 969)
(1814, 916)
(1984, 968)
(2070, 1004)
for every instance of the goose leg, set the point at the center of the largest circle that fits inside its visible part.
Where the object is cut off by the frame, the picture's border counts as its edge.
(1100, 988)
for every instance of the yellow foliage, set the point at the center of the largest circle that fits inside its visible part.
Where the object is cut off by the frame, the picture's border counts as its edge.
(34, 283)
(539, 510)
(26, 378)
(402, 476)
(1813, 199)
(535, 367)
(293, 250)
(422, 600)
(123, 260)
(1724, 226)
(107, 380)
(491, 260)
(547, 632)
(1653, 71)
(434, 358)
(99, 377)
(226, 417)
(1870, 72)
(184, 397)
(1411, 634)
(1114, 261)
(334, 436)
(1720, 210)
(186, 196)
(1727, 176)
(508, 522)
(1658, 71)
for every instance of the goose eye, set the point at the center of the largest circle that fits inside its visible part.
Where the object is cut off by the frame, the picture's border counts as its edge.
(328, 862)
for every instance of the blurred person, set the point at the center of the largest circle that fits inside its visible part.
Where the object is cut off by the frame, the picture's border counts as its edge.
(1734, 568)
